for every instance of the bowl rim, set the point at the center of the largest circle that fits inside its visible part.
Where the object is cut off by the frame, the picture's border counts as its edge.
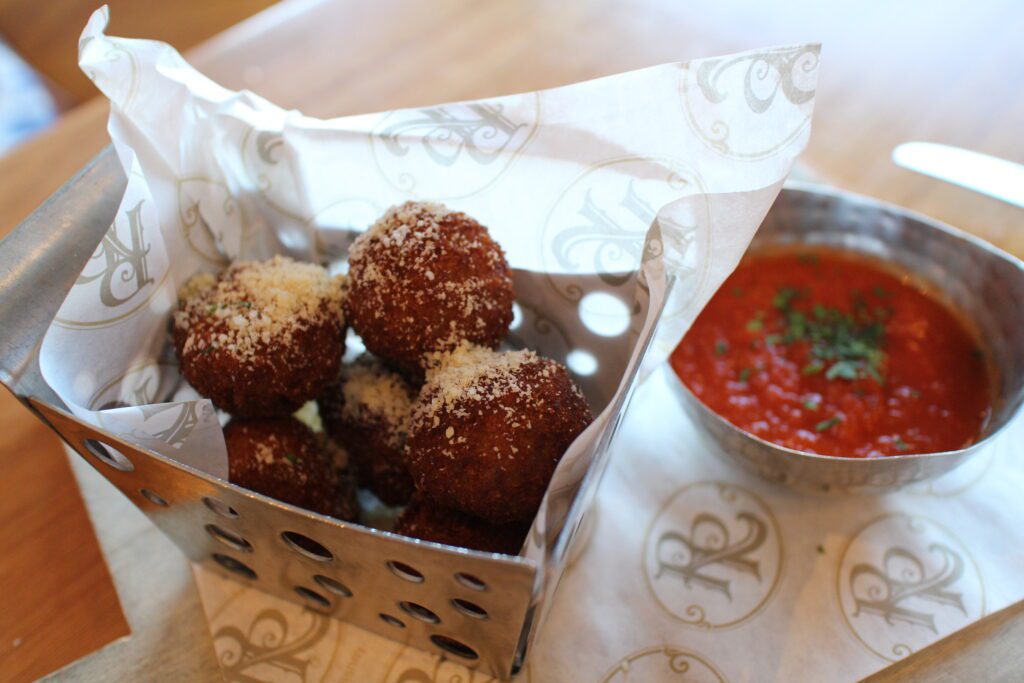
(810, 188)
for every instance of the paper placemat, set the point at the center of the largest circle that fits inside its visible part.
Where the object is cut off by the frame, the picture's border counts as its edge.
(695, 570)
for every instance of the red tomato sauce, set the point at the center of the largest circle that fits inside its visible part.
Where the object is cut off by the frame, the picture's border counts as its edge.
(828, 353)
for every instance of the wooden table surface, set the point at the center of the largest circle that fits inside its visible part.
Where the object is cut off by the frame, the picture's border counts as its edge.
(941, 71)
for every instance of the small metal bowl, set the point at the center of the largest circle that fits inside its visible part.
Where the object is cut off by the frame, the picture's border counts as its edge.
(984, 283)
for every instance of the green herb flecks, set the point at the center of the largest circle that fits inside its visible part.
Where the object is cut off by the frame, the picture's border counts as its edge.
(290, 457)
(845, 345)
(757, 323)
(811, 403)
(825, 425)
(745, 375)
(810, 258)
(721, 347)
(900, 444)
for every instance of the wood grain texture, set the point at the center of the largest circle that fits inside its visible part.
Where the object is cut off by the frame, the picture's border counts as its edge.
(57, 600)
(46, 34)
(944, 71)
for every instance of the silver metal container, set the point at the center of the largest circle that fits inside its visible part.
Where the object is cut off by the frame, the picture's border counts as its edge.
(476, 608)
(974, 277)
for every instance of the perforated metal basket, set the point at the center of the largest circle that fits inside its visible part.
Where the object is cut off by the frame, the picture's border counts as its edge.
(477, 608)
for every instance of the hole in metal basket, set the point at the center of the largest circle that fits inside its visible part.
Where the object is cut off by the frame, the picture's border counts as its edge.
(581, 362)
(419, 612)
(517, 316)
(229, 538)
(312, 597)
(404, 571)
(306, 546)
(394, 621)
(233, 565)
(153, 497)
(219, 507)
(109, 455)
(470, 581)
(455, 647)
(470, 609)
(604, 314)
(336, 587)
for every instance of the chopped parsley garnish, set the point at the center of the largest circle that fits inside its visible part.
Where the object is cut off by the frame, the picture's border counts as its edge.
(827, 424)
(737, 291)
(810, 404)
(814, 367)
(721, 347)
(880, 292)
(845, 345)
(745, 374)
(757, 323)
(290, 457)
(900, 444)
(914, 393)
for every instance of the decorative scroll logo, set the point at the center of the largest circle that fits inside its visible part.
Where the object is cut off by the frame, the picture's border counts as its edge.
(122, 275)
(713, 555)
(149, 383)
(904, 582)
(267, 651)
(707, 545)
(663, 663)
(600, 222)
(481, 130)
(210, 218)
(454, 150)
(733, 103)
(126, 261)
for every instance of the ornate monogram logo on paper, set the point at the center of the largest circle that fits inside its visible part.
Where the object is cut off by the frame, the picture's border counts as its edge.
(122, 275)
(599, 223)
(454, 150)
(713, 555)
(210, 218)
(664, 663)
(732, 103)
(904, 582)
(138, 386)
(273, 647)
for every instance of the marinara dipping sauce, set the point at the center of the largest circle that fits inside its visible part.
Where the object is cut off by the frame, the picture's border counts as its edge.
(826, 352)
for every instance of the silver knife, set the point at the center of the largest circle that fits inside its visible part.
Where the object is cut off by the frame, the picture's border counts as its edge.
(982, 173)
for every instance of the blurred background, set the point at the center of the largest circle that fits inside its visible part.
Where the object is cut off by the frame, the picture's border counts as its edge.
(891, 72)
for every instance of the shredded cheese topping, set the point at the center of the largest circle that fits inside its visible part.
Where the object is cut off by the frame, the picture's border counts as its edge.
(254, 304)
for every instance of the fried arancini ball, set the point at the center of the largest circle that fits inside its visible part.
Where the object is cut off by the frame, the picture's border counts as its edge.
(262, 338)
(489, 428)
(424, 278)
(284, 459)
(429, 522)
(368, 413)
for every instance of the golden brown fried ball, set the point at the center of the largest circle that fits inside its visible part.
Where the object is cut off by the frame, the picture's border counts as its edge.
(263, 337)
(429, 522)
(284, 459)
(489, 428)
(424, 278)
(368, 413)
